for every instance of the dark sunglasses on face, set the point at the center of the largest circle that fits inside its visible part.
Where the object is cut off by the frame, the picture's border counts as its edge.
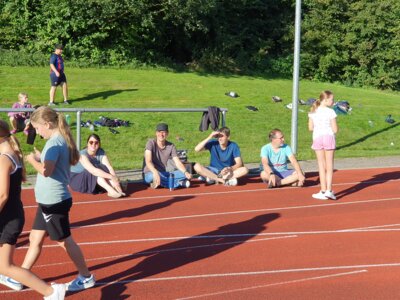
(93, 142)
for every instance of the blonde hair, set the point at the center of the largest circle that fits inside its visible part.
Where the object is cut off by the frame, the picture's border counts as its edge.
(324, 95)
(21, 95)
(15, 146)
(46, 114)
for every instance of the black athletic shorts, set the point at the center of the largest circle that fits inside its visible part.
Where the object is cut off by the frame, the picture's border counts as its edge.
(54, 219)
(10, 229)
(55, 81)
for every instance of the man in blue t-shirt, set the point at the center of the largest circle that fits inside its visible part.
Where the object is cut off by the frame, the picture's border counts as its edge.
(226, 164)
(57, 75)
(274, 166)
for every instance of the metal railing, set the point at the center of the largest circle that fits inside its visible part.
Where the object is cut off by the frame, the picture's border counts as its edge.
(80, 110)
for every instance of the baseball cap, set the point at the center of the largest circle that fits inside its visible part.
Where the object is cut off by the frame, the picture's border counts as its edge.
(162, 127)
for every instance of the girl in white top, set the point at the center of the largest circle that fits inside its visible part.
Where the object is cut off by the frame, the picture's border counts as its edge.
(322, 122)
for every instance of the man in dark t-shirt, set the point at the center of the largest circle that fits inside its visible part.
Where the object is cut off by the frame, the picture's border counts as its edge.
(57, 75)
(156, 156)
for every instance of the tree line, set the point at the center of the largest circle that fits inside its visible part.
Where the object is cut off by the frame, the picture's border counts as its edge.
(354, 42)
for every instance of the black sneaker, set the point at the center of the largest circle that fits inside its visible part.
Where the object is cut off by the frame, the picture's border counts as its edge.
(185, 183)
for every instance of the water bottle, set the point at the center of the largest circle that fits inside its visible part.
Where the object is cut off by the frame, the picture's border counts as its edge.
(68, 119)
(171, 181)
(91, 127)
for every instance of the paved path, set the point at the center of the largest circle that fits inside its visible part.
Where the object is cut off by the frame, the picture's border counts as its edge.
(306, 165)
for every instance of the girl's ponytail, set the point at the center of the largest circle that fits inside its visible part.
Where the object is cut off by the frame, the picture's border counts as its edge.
(324, 95)
(66, 133)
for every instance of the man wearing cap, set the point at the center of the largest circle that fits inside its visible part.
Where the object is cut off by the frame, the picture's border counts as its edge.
(57, 75)
(156, 155)
(226, 164)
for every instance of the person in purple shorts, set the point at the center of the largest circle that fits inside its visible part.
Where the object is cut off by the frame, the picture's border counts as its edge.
(274, 162)
(57, 75)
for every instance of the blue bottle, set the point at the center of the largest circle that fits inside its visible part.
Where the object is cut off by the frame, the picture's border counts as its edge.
(171, 181)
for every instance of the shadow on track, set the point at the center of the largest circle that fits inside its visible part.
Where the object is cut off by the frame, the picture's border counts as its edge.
(179, 253)
(374, 180)
(130, 213)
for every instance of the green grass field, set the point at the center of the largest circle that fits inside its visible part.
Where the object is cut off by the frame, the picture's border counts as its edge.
(121, 88)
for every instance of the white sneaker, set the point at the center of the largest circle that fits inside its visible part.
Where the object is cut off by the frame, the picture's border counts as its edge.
(58, 292)
(11, 283)
(330, 195)
(231, 182)
(320, 196)
(81, 283)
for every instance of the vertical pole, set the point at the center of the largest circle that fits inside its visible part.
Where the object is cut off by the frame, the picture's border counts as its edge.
(296, 68)
(78, 129)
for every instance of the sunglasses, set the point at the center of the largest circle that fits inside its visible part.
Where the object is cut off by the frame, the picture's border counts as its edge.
(93, 142)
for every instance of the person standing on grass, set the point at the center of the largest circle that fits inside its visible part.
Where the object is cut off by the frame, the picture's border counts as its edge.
(52, 194)
(322, 122)
(226, 164)
(57, 75)
(274, 158)
(20, 120)
(12, 219)
(156, 156)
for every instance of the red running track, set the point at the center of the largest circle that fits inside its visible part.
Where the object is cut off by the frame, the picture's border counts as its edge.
(243, 242)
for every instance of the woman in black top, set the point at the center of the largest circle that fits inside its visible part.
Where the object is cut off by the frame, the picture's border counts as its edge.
(12, 173)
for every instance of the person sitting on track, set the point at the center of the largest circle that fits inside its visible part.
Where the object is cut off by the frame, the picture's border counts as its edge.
(226, 164)
(156, 156)
(274, 167)
(93, 173)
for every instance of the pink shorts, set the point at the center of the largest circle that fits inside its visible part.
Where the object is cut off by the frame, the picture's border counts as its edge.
(325, 142)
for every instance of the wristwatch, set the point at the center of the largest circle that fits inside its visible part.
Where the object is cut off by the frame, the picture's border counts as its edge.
(271, 173)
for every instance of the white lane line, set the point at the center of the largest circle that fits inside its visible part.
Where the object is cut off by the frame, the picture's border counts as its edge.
(187, 277)
(276, 209)
(373, 227)
(175, 238)
(330, 204)
(133, 255)
(171, 249)
(262, 189)
(272, 284)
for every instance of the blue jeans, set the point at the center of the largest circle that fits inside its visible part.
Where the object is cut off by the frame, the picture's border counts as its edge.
(164, 178)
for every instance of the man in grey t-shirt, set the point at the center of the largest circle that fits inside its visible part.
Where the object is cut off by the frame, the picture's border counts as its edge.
(156, 155)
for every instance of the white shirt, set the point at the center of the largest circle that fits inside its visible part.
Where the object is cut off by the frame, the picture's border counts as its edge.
(322, 121)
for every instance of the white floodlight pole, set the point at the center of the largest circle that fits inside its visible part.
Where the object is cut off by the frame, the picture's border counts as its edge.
(296, 68)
